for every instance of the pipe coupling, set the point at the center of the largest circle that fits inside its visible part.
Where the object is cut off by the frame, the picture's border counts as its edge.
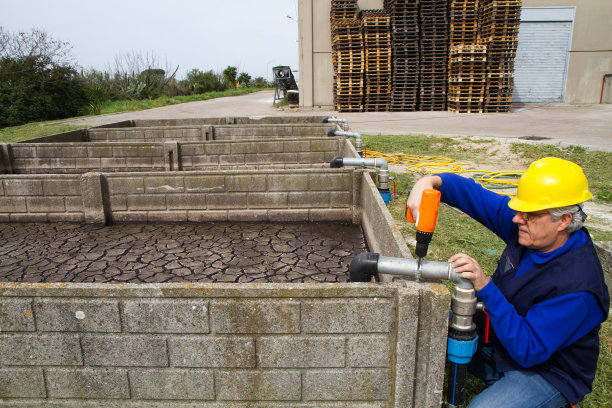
(463, 306)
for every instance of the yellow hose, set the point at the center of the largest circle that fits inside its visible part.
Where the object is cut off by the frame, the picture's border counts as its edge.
(491, 180)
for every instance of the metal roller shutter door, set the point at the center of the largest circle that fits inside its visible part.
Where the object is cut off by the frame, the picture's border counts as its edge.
(541, 61)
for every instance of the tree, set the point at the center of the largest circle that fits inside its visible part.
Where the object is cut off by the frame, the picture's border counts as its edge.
(244, 79)
(229, 74)
(200, 82)
(37, 79)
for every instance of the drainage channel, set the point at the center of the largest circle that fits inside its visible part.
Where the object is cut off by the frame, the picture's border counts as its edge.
(159, 253)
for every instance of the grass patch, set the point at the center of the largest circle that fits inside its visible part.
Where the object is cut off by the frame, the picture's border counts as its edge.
(129, 106)
(16, 134)
(456, 232)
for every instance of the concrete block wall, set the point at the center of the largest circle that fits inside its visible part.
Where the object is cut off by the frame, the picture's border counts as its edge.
(257, 195)
(252, 196)
(76, 158)
(206, 132)
(230, 120)
(208, 345)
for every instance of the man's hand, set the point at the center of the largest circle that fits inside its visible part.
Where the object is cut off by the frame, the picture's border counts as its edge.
(468, 268)
(414, 199)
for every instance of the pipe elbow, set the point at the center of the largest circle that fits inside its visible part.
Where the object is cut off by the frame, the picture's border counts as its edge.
(337, 162)
(381, 164)
(363, 267)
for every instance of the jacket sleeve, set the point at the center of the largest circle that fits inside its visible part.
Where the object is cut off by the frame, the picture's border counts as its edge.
(488, 208)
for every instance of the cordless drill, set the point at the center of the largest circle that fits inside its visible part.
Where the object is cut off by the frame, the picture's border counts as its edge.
(425, 221)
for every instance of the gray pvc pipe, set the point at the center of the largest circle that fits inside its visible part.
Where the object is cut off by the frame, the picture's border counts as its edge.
(350, 161)
(421, 269)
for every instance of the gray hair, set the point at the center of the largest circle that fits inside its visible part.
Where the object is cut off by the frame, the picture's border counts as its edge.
(578, 216)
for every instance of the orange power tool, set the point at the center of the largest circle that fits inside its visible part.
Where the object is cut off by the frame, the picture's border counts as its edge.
(426, 220)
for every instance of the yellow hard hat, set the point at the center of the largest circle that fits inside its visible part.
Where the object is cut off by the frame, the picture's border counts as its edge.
(550, 183)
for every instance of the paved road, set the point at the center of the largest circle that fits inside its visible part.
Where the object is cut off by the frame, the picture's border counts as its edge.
(586, 125)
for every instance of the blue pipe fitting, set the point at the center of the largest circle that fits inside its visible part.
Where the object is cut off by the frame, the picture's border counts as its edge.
(461, 351)
(385, 194)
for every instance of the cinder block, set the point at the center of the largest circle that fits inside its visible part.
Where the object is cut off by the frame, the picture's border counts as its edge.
(258, 385)
(65, 217)
(167, 216)
(270, 147)
(125, 185)
(212, 352)
(292, 215)
(347, 385)
(29, 217)
(22, 383)
(406, 344)
(125, 350)
(296, 146)
(191, 201)
(331, 182)
(231, 159)
(100, 151)
(74, 151)
(164, 184)
(146, 202)
(91, 163)
(256, 316)
(93, 198)
(113, 163)
(13, 204)
(306, 199)
(287, 182)
(16, 315)
(324, 145)
(267, 200)
(348, 316)
(88, 383)
(301, 352)
(77, 315)
(207, 216)
(165, 316)
(118, 202)
(167, 384)
(192, 149)
(331, 215)
(125, 150)
(151, 150)
(62, 187)
(204, 183)
(74, 204)
(49, 150)
(40, 350)
(218, 148)
(315, 157)
(369, 351)
(243, 147)
(256, 182)
(22, 187)
(247, 216)
(45, 204)
(130, 216)
(22, 151)
(341, 199)
(226, 201)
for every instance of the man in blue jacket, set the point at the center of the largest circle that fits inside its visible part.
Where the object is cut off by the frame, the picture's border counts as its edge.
(547, 298)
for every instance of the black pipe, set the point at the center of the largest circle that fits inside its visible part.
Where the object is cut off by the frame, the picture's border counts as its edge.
(331, 133)
(325, 120)
(337, 162)
(363, 267)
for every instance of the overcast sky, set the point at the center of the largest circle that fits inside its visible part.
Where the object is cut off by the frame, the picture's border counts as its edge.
(253, 35)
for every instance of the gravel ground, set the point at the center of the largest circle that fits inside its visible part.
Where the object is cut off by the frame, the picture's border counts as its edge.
(148, 253)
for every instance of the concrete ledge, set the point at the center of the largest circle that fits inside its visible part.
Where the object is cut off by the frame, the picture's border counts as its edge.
(604, 250)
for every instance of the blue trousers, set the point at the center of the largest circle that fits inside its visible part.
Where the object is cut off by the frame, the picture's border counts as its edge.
(512, 389)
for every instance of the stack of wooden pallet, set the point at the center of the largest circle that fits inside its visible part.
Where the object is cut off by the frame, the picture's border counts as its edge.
(405, 53)
(463, 16)
(377, 47)
(433, 21)
(347, 56)
(467, 78)
(499, 25)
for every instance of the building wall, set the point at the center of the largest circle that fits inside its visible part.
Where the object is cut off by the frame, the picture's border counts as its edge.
(590, 54)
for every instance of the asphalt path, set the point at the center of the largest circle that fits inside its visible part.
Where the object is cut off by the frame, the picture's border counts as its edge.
(551, 123)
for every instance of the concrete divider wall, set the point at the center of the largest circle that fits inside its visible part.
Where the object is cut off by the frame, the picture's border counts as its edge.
(67, 158)
(231, 345)
(256, 195)
(230, 120)
(206, 132)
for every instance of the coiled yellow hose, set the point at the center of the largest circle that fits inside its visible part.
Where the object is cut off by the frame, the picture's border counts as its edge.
(491, 180)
